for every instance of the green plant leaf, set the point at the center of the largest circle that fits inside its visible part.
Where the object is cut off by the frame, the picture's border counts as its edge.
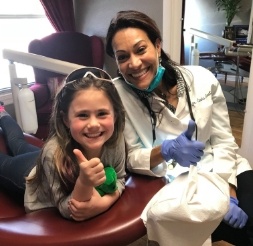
(231, 8)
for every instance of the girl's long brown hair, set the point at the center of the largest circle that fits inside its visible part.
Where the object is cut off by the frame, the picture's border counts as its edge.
(66, 165)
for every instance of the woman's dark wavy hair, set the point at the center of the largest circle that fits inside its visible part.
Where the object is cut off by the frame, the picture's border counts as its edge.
(66, 165)
(136, 19)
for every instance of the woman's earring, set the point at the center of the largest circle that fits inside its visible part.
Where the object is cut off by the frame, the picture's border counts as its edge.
(160, 60)
(119, 73)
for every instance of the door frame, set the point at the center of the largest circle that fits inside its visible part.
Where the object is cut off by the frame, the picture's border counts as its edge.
(172, 28)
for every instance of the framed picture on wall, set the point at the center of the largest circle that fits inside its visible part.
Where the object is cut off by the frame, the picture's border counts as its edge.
(241, 33)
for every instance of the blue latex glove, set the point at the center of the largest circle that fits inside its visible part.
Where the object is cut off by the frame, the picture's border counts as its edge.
(182, 149)
(235, 216)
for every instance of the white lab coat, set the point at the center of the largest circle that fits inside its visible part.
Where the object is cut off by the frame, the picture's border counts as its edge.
(211, 115)
(220, 154)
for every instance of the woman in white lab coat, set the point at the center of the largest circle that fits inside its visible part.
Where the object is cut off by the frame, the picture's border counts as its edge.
(162, 100)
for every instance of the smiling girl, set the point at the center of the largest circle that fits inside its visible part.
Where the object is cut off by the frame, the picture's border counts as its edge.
(85, 137)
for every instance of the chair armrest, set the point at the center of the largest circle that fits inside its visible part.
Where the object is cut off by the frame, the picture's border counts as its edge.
(120, 225)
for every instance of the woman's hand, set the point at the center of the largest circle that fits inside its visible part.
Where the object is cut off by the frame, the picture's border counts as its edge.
(235, 216)
(96, 205)
(182, 149)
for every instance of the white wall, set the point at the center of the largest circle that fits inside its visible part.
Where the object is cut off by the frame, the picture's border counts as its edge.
(247, 134)
(204, 15)
(172, 26)
(93, 17)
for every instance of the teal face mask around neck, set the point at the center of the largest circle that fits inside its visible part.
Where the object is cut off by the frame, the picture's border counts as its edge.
(154, 83)
(157, 79)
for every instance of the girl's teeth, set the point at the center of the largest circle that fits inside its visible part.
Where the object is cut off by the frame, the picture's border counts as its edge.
(94, 135)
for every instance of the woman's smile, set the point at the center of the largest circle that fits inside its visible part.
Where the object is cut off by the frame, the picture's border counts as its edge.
(139, 74)
(136, 56)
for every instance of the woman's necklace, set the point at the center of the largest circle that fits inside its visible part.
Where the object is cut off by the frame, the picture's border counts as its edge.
(169, 97)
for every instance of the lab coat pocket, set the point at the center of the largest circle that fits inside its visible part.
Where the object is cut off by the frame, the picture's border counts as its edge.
(203, 116)
(186, 211)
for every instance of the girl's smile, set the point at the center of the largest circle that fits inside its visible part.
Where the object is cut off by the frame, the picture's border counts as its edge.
(91, 120)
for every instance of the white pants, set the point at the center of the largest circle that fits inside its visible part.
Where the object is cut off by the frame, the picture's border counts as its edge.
(186, 211)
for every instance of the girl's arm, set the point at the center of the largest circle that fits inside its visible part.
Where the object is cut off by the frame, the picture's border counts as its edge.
(55, 194)
(96, 205)
(91, 175)
(82, 192)
(119, 163)
(59, 198)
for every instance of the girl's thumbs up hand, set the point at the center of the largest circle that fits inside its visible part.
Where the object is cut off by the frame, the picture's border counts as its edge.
(91, 171)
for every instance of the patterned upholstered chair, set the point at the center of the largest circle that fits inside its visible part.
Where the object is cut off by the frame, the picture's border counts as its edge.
(72, 47)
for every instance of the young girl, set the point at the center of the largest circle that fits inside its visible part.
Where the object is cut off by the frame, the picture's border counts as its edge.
(85, 137)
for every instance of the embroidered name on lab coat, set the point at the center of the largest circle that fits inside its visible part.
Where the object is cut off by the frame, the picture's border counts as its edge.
(202, 98)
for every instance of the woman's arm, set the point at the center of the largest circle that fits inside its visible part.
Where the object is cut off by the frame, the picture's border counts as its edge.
(221, 139)
(143, 159)
(211, 114)
(156, 157)
(138, 134)
(232, 191)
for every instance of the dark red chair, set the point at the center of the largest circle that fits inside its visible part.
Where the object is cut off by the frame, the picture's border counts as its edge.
(119, 226)
(72, 47)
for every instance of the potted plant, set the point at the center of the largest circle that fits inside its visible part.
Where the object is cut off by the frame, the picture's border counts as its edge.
(231, 7)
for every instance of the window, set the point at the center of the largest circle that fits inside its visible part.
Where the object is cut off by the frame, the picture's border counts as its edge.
(20, 22)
